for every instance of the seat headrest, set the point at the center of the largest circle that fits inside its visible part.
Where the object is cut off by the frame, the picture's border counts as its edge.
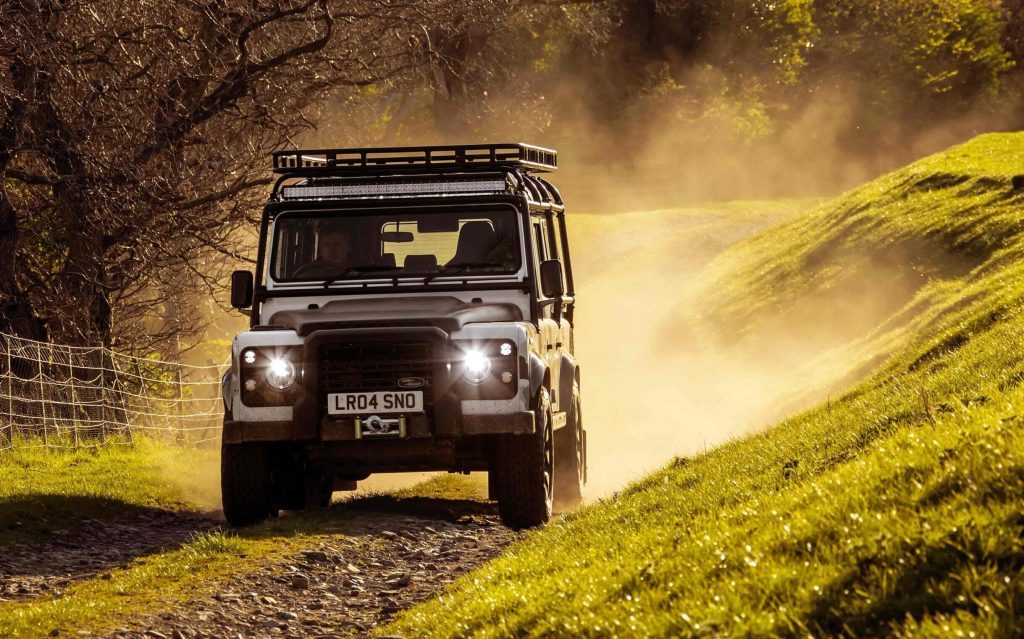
(420, 263)
(476, 241)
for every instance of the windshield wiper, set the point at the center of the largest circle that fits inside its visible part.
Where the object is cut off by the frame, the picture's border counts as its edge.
(457, 267)
(357, 270)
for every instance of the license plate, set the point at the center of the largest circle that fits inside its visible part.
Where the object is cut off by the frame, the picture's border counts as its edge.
(386, 402)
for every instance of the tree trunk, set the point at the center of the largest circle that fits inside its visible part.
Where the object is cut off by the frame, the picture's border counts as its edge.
(16, 313)
(83, 282)
(451, 93)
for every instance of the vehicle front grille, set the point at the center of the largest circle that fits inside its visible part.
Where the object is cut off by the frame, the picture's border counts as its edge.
(356, 367)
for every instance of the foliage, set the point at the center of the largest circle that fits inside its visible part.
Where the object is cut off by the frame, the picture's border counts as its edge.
(826, 84)
(892, 510)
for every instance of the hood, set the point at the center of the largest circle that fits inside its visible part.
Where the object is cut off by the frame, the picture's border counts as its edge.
(447, 313)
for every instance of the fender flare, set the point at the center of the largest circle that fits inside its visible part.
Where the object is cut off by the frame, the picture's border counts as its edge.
(225, 389)
(538, 374)
(568, 373)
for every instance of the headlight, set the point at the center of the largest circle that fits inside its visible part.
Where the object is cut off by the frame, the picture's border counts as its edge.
(476, 366)
(280, 373)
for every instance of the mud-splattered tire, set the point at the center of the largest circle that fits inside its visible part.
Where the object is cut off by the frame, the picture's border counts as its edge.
(570, 457)
(525, 477)
(246, 483)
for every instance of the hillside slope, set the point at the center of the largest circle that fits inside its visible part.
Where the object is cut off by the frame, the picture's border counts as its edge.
(893, 509)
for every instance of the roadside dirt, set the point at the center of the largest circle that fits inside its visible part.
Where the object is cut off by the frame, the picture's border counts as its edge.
(90, 550)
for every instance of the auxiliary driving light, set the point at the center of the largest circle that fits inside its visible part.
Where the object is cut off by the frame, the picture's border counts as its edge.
(476, 366)
(280, 373)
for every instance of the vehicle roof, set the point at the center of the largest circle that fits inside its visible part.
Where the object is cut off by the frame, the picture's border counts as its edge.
(417, 172)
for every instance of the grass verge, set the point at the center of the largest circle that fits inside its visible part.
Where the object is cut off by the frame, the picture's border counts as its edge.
(893, 510)
(43, 489)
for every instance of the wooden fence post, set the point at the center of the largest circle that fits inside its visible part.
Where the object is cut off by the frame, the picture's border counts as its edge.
(42, 398)
(181, 411)
(74, 400)
(102, 380)
(9, 430)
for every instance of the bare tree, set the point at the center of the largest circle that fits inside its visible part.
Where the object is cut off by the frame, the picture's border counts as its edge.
(134, 137)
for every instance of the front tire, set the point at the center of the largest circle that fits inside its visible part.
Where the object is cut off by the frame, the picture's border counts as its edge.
(246, 483)
(525, 477)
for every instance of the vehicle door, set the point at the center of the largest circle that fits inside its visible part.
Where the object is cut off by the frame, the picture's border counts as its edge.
(548, 329)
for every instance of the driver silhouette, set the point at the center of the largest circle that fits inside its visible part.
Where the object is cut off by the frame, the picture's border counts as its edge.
(334, 254)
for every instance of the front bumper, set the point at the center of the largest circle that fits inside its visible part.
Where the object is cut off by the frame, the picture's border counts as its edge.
(237, 432)
(240, 432)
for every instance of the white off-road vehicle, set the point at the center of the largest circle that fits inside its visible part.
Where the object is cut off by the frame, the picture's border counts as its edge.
(411, 310)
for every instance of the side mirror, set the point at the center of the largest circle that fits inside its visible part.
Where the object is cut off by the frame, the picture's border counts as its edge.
(551, 281)
(241, 289)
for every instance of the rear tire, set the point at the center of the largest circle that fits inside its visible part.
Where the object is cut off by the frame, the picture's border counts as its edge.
(297, 487)
(570, 457)
(493, 493)
(525, 477)
(246, 483)
(319, 491)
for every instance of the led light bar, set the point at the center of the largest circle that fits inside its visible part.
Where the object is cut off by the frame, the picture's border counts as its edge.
(402, 189)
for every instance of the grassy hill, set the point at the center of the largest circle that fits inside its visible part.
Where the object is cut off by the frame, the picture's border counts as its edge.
(894, 509)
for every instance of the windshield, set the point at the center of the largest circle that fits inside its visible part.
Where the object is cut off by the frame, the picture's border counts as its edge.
(329, 246)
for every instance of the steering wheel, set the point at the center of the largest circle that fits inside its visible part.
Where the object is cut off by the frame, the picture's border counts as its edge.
(318, 268)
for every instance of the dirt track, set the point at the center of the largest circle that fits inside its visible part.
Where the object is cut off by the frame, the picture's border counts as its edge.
(381, 556)
(342, 586)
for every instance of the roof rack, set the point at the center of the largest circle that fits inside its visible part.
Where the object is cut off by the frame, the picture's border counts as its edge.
(326, 162)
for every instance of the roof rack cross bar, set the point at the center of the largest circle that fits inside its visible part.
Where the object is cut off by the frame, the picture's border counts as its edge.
(326, 162)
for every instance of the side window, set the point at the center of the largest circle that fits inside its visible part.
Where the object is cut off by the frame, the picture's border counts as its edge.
(554, 243)
(542, 250)
(540, 227)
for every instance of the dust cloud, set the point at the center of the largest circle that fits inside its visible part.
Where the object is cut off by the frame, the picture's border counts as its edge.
(654, 386)
(669, 159)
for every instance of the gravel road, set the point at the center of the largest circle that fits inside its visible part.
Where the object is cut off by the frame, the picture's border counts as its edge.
(387, 556)
(343, 586)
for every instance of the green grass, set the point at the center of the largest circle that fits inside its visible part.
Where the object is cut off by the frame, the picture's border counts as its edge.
(893, 510)
(47, 489)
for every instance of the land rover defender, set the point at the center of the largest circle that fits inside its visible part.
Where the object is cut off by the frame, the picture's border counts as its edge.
(411, 310)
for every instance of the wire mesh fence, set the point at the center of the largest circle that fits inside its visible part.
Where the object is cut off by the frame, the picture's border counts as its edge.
(59, 396)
